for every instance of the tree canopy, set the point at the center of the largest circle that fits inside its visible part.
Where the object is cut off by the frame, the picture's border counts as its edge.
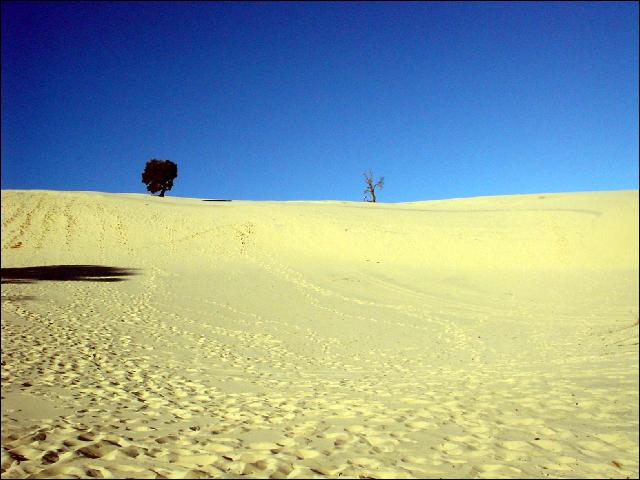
(158, 175)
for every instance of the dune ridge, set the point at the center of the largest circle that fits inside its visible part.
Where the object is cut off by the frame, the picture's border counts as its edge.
(488, 337)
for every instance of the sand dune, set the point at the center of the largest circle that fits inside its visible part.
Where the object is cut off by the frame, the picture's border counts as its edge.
(488, 337)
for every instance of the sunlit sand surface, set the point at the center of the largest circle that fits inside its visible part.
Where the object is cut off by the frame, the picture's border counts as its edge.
(489, 337)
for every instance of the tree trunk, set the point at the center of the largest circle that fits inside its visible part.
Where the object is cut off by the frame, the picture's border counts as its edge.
(162, 192)
(373, 195)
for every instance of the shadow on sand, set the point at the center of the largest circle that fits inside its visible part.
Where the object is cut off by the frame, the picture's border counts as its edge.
(17, 298)
(66, 273)
(215, 200)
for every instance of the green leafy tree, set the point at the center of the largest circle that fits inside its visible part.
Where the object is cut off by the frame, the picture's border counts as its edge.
(158, 175)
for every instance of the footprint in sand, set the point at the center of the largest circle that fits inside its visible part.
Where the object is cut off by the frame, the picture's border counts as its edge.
(514, 445)
(303, 454)
(416, 425)
(552, 446)
(496, 471)
(102, 450)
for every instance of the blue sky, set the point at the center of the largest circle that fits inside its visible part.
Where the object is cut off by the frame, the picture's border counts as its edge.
(293, 101)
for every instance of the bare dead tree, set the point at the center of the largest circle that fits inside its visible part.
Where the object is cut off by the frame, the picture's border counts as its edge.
(371, 187)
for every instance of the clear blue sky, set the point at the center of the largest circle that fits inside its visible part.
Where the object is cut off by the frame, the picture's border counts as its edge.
(285, 101)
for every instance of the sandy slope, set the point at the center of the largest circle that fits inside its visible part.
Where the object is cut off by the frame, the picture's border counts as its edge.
(481, 337)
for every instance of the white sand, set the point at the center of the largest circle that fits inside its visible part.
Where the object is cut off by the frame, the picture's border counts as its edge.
(477, 338)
